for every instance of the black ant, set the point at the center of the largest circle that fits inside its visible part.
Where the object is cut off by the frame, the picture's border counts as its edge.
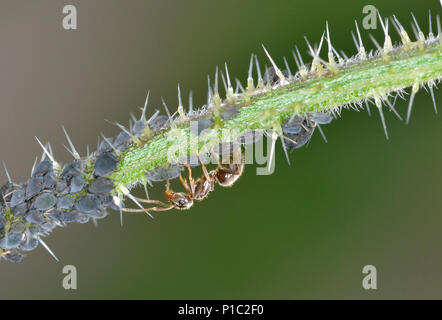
(225, 175)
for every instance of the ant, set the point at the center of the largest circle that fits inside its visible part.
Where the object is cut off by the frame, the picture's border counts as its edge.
(225, 175)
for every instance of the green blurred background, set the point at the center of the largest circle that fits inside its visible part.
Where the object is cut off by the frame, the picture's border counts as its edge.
(304, 232)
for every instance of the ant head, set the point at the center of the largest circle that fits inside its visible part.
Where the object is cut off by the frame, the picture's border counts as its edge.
(180, 200)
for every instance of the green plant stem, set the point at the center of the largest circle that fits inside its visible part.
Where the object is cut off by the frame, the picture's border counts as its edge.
(372, 78)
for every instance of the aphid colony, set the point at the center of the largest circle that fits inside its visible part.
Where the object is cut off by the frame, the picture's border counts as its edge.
(83, 189)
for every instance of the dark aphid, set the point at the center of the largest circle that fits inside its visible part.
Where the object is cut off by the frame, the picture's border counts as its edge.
(71, 170)
(61, 186)
(65, 202)
(48, 226)
(5, 191)
(230, 113)
(45, 201)
(138, 128)
(17, 227)
(270, 76)
(49, 180)
(82, 218)
(56, 215)
(74, 216)
(101, 185)
(13, 256)
(295, 141)
(108, 202)
(105, 164)
(2, 222)
(77, 184)
(122, 141)
(99, 215)
(174, 171)
(35, 230)
(20, 210)
(250, 137)
(197, 127)
(105, 145)
(34, 187)
(162, 174)
(42, 168)
(320, 117)
(29, 243)
(11, 240)
(157, 123)
(292, 125)
(69, 216)
(88, 204)
(18, 197)
(35, 216)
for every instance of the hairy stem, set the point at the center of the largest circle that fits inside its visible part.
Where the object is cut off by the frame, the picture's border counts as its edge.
(267, 108)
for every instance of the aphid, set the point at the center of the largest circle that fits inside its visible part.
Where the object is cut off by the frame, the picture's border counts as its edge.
(61, 186)
(77, 184)
(105, 164)
(295, 141)
(158, 122)
(201, 125)
(292, 125)
(106, 145)
(230, 113)
(225, 175)
(71, 170)
(20, 210)
(49, 180)
(34, 187)
(65, 202)
(18, 197)
(162, 174)
(17, 227)
(29, 243)
(271, 77)
(45, 201)
(121, 141)
(35, 216)
(70, 216)
(99, 214)
(101, 185)
(13, 256)
(88, 204)
(42, 168)
(250, 137)
(138, 128)
(11, 240)
(320, 117)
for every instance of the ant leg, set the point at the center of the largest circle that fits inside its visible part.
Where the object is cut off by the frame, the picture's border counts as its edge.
(191, 181)
(206, 173)
(184, 183)
(151, 201)
(147, 209)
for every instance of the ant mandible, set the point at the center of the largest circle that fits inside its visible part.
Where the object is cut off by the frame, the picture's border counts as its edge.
(225, 175)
